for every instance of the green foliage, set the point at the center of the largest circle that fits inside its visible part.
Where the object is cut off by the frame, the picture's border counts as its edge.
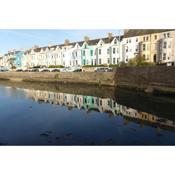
(56, 66)
(101, 65)
(121, 64)
(37, 67)
(139, 61)
(13, 67)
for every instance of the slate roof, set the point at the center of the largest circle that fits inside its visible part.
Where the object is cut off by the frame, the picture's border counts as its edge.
(139, 32)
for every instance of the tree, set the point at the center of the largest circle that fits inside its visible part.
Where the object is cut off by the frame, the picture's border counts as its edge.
(11, 62)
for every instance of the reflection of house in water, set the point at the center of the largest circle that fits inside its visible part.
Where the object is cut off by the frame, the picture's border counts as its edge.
(90, 103)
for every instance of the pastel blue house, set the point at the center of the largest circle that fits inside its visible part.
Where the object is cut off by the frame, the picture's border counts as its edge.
(18, 57)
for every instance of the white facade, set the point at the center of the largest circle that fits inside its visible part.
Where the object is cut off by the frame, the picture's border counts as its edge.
(66, 52)
(76, 55)
(167, 48)
(115, 51)
(130, 48)
(103, 52)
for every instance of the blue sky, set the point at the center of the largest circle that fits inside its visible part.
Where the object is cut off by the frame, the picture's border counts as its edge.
(26, 38)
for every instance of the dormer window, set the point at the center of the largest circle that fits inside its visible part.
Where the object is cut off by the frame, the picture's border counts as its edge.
(115, 41)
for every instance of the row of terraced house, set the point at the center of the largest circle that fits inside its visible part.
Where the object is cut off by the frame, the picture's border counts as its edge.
(154, 45)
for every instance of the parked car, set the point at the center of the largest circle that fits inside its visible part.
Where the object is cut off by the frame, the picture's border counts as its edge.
(73, 69)
(78, 70)
(55, 70)
(103, 69)
(45, 70)
(3, 69)
(19, 70)
(63, 69)
(34, 70)
(26, 70)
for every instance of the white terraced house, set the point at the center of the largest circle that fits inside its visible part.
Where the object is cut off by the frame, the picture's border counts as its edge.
(76, 54)
(130, 48)
(167, 48)
(154, 45)
(66, 52)
(102, 51)
(89, 52)
(115, 51)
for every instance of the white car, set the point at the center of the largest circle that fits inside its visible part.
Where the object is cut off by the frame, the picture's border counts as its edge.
(3, 69)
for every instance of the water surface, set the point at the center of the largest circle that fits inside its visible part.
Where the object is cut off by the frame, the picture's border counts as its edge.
(50, 116)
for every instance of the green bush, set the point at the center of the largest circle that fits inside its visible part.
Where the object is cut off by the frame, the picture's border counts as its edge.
(13, 67)
(56, 66)
(101, 65)
(139, 61)
(121, 64)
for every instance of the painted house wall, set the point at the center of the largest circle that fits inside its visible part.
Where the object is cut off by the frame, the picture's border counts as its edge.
(155, 44)
(115, 52)
(88, 54)
(66, 55)
(167, 47)
(145, 47)
(76, 56)
(130, 48)
(103, 52)
(18, 58)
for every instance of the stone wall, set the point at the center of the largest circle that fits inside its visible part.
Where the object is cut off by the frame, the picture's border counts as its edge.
(157, 77)
(99, 78)
(148, 79)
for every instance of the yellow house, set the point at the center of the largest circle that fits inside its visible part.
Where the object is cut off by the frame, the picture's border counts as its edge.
(149, 42)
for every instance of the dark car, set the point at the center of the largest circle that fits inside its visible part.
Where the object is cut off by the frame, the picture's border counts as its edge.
(103, 69)
(19, 70)
(55, 70)
(77, 70)
(35, 70)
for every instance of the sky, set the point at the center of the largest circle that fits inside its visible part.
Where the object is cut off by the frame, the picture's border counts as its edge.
(26, 38)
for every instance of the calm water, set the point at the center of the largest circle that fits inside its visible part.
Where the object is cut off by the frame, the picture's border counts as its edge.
(44, 117)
